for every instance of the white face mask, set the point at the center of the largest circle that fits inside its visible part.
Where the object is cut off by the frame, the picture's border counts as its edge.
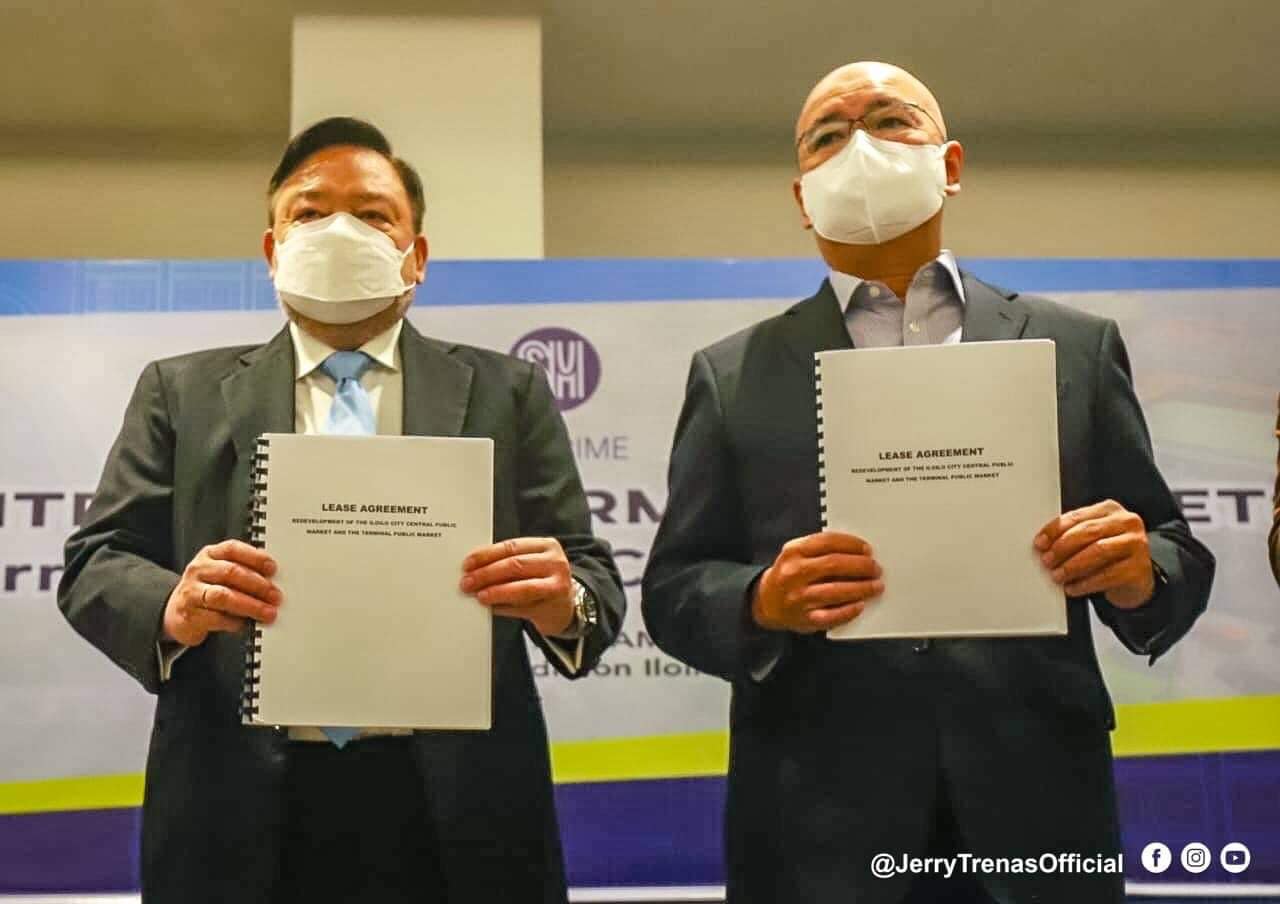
(339, 269)
(874, 190)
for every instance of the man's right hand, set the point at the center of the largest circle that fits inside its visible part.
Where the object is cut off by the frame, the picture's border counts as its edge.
(223, 587)
(817, 583)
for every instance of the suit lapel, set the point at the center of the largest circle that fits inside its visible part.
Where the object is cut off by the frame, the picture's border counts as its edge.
(991, 314)
(988, 314)
(259, 396)
(816, 325)
(437, 386)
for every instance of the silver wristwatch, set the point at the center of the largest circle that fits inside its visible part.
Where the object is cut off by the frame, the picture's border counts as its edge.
(586, 614)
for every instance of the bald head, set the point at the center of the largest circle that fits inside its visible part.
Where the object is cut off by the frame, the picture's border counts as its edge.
(888, 104)
(855, 85)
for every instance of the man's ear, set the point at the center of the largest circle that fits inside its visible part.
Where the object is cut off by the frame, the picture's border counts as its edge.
(799, 196)
(421, 252)
(953, 155)
(269, 250)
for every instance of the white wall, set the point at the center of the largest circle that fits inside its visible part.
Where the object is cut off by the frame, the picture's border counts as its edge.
(461, 98)
(120, 207)
(153, 206)
(1004, 210)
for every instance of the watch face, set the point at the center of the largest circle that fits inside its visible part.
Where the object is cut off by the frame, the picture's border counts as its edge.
(584, 606)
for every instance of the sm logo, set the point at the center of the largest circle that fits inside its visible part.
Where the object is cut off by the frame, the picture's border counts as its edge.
(571, 362)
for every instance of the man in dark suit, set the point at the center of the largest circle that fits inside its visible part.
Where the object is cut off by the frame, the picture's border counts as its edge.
(840, 751)
(160, 578)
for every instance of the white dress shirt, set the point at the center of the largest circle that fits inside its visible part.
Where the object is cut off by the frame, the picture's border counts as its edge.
(314, 389)
(932, 313)
(312, 398)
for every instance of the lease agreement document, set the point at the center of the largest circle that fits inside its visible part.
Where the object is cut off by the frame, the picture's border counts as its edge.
(369, 533)
(945, 459)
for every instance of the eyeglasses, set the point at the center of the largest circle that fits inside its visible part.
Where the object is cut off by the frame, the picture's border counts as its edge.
(891, 120)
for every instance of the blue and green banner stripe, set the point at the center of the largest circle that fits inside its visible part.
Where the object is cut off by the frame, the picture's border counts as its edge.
(145, 286)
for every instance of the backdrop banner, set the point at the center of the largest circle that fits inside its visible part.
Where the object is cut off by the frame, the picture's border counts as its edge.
(640, 746)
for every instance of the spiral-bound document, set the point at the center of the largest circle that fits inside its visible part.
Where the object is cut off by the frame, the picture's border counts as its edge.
(369, 534)
(945, 459)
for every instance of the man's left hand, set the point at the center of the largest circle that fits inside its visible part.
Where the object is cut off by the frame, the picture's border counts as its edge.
(526, 577)
(1099, 549)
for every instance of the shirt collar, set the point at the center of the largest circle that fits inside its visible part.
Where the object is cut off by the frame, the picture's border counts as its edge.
(845, 284)
(309, 352)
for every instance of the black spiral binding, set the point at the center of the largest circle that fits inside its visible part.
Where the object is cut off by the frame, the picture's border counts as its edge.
(258, 537)
(822, 454)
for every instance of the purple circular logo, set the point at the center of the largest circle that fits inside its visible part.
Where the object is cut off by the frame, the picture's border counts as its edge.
(571, 363)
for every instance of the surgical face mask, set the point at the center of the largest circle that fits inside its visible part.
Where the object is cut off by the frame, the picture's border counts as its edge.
(873, 190)
(339, 269)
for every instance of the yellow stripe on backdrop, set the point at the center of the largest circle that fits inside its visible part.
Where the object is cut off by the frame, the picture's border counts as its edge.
(1197, 726)
(95, 792)
(1145, 729)
(1228, 725)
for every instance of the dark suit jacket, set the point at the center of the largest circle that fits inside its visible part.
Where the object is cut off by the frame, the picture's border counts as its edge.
(838, 753)
(1273, 541)
(177, 479)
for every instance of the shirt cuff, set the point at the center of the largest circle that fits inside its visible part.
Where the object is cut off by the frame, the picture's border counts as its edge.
(167, 653)
(765, 655)
(568, 651)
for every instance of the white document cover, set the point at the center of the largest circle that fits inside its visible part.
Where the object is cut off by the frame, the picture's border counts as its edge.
(945, 459)
(369, 533)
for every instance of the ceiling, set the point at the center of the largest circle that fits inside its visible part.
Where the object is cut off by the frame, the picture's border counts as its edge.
(162, 75)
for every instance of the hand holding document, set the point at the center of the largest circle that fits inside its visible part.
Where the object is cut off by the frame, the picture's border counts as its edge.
(817, 583)
(1100, 549)
(524, 577)
(945, 459)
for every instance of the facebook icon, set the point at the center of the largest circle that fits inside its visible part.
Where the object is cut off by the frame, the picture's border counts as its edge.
(1156, 857)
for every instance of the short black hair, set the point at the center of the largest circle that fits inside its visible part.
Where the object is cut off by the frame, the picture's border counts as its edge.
(340, 130)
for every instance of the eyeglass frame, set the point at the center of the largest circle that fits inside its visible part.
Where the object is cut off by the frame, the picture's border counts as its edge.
(854, 120)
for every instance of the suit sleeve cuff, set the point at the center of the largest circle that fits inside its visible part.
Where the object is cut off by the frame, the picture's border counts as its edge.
(764, 649)
(1140, 629)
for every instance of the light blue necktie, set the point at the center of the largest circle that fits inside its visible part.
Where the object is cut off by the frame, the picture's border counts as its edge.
(351, 414)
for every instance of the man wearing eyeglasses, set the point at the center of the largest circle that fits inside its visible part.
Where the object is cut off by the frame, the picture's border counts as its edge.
(925, 749)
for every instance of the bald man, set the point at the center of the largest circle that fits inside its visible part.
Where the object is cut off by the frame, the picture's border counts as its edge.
(917, 748)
